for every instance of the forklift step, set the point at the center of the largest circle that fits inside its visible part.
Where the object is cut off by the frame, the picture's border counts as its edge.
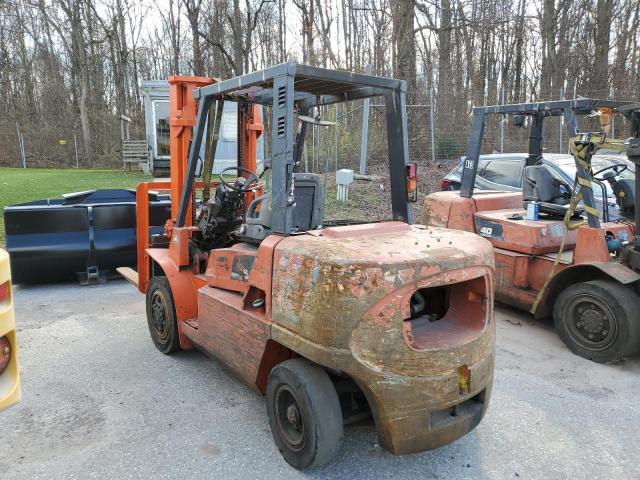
(129, 274)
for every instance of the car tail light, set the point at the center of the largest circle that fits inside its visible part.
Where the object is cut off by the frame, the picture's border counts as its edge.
(444, 184)
(412, 181)
(4, 291)
(5, 353)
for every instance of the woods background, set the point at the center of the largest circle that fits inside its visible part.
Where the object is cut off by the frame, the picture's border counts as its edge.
(70, 68)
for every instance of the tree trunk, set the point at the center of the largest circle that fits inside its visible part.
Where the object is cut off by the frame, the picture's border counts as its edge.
(600, 83)
(517, 84)
(193, 15)
(404, 46)
(445, 90)
(548, 34)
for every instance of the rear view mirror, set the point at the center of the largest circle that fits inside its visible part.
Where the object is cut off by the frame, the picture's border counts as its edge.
(412, 181)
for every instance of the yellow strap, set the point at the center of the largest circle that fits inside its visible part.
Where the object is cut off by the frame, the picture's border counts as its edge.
(584, 182)
(579, 152)
(591, 211)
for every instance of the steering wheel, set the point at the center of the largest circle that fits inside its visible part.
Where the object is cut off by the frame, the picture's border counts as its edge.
(251, 179)
(617, 168)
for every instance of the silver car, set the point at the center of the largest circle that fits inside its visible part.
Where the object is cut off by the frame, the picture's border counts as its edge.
(504, 171)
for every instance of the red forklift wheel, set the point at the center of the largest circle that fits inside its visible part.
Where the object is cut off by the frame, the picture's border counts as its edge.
(598, 320)
(304, 413)
(161, 315)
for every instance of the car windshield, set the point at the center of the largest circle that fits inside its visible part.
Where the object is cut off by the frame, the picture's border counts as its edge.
(598, 163)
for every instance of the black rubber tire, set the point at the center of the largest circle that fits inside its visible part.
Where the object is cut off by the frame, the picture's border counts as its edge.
(618, 305)
(306, 388)
(164, 326)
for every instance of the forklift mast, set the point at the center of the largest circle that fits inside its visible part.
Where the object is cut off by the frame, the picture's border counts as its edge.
(632, 111)
(182, 111)
(183, 108)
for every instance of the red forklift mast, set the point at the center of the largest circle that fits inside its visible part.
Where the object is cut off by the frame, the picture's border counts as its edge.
(183, 109)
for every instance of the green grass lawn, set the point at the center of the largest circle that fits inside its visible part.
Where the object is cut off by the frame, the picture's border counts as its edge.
(18, 185)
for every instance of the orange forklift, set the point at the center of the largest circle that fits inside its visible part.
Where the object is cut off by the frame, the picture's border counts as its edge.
(556, 256)
(334, 322)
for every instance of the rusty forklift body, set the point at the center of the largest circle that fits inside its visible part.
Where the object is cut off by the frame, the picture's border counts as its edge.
(584, 273)
(396, 319)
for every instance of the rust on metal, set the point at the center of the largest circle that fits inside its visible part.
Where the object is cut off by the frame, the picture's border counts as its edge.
(341, 298)
(525, 251)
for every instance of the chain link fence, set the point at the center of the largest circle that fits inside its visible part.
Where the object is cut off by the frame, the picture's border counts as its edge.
(437, 136)
(59, 144)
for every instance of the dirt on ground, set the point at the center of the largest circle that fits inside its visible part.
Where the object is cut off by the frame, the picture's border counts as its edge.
(370, 199)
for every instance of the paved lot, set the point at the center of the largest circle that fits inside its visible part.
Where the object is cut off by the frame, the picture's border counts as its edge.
(100, 402)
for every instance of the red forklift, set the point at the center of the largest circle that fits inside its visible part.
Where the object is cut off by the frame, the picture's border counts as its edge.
(335, 322)
(567, 263)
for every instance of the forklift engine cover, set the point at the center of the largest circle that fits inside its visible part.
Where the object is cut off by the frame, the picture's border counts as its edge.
(344, 297)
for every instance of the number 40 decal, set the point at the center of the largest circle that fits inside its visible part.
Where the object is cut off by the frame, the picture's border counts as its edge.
(486, 231)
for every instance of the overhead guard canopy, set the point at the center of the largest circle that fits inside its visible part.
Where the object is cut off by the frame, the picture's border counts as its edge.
(291, 88)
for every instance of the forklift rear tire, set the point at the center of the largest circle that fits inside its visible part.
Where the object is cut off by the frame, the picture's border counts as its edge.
(598, 320)
(304, 413)
(161, 315)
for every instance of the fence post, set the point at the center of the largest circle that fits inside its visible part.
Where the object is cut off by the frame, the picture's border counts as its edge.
(432, 122)
(314, 154)
(75, 145)
(364, 139)
(502, 125)
(24, 156)
(561, 120)
(21, 146)
(336, 132)
(613, 117)
(306, 158)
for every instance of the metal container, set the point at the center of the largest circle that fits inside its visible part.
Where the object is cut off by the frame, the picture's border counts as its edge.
(533, 210)
(85, 235)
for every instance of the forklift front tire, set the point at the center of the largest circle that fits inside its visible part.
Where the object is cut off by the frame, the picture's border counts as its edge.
(598, 320)
(161, 315)
(304, 413)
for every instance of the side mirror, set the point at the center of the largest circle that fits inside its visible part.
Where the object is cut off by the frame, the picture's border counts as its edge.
(412, 181)
(517, 120)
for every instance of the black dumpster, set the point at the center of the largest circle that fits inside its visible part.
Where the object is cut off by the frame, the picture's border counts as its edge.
(85, 235)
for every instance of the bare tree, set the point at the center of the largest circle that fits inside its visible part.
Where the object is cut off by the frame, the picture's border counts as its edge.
(74, 66)
(192, 8)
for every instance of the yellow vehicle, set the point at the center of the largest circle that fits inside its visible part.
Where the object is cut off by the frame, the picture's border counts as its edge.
(9, 379)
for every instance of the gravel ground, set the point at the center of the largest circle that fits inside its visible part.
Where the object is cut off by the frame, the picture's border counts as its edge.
(100, 402)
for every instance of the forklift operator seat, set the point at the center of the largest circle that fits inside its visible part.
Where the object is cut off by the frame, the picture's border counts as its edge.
(540, 185)
(307, 212)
